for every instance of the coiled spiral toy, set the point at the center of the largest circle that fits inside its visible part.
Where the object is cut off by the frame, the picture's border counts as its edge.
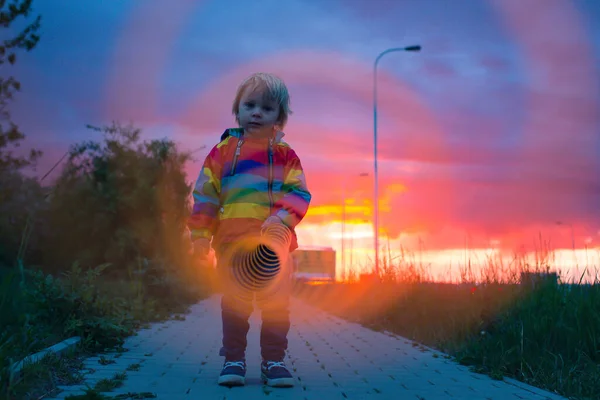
(260, 265)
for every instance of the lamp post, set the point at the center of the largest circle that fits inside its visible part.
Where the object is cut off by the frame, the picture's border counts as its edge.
(361, 175)
(375, 170)
(572, 239)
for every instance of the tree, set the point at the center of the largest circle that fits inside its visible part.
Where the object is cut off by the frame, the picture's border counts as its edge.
(26, 39)
(119, 200)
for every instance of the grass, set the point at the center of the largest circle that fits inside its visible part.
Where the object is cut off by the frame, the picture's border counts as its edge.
(543, 332)
(43, 378)
(44, 310)
(106, 385)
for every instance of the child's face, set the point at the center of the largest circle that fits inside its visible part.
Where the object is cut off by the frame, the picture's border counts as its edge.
(258, 113)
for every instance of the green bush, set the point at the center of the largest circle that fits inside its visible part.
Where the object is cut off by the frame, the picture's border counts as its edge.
(76, 306)
(116, 215)
(17, 336)
(119, 201)
(20, 197)
(550, 338)
(86, 303)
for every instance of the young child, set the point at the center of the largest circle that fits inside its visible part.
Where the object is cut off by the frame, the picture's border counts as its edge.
(251, 179)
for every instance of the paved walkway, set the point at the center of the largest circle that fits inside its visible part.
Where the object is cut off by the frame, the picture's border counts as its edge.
(330, 358)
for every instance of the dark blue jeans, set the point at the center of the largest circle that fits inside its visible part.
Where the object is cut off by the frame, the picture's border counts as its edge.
(236, 308)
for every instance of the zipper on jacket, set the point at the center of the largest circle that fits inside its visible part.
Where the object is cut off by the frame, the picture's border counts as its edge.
(270, 175)
(238, 150)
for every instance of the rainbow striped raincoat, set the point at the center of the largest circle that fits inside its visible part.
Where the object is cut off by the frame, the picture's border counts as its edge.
(244, 181)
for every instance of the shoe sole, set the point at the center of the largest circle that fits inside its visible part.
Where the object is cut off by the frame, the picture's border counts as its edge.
(231, 380)
(278, 382)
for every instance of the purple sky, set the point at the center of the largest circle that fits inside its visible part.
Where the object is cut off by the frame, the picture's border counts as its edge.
(493, 127)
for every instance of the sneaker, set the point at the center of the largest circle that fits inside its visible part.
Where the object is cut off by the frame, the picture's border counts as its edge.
(276, 374)
(233, 374)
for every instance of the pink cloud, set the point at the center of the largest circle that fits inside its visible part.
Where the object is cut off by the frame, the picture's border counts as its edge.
(330, 71)
(559, 59)
(141, 56)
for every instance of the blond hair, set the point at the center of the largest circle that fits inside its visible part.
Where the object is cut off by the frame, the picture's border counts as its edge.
(273, 87)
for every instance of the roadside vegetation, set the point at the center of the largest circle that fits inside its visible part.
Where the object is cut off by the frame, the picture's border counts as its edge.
(515, 319)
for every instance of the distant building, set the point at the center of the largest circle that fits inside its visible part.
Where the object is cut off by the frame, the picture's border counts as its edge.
(314, 264)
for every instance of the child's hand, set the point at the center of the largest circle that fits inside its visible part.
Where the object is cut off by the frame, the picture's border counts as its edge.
(202, 247)
(272, 220)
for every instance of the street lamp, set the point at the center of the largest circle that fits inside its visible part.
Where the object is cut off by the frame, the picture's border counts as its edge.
(572, 238)
(375, 170)
(361, 175)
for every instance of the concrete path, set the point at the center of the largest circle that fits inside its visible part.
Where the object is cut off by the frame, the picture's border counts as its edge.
(330, 359)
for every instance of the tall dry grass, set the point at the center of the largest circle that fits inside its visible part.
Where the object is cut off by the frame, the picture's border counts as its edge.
(517, 317)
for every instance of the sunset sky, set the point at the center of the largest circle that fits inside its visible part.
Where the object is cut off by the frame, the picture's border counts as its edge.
(488, 136)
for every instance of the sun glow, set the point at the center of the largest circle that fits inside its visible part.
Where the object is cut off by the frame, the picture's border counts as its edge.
(451, 264)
